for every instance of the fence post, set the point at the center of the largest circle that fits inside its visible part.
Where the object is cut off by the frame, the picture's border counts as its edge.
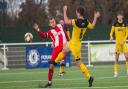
(89, 55)
(5, 58)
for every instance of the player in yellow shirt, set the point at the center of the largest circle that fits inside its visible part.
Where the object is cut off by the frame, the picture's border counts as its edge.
(121, 32)
(79, 28)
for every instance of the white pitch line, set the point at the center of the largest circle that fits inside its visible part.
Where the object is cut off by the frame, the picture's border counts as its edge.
(108, 87)
(30, 73)
(57, 79)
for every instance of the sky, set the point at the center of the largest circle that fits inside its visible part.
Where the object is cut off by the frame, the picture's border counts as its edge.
(14, 6)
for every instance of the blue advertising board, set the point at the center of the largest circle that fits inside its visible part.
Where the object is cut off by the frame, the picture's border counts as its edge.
(39, 56)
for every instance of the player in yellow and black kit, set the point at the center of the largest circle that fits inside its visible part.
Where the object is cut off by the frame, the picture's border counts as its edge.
(79, 28)
(121, 32)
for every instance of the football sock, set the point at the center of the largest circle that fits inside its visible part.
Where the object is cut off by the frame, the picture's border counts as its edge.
(85, 71)
(60, 57)
(62, 68)
(50, 74)
(115, 68)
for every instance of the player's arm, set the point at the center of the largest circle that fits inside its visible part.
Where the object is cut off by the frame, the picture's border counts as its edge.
(126, 34)
(96, 16)
(125, 38)
(41, 34)
(66, 19)
(111, 33)
(67, 34)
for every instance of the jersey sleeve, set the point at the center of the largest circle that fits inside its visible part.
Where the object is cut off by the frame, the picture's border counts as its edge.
(43, 34)
(112, 31)
(89, 25)
(126, 34)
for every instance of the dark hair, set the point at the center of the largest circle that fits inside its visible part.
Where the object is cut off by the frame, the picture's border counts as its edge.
(80, 10)
(50, 18)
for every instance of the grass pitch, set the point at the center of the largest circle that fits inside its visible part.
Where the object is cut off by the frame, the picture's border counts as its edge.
(73, 79)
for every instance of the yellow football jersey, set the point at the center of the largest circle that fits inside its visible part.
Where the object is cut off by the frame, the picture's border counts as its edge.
(120, 30)
(79, 29)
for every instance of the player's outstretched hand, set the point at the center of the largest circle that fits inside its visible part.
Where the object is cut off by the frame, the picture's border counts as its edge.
(36, 27)
(111, 38)
(96, 14)
(65, 8)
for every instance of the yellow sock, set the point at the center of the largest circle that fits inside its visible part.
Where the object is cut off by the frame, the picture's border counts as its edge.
(85, 71)
(62, 69)
(60, 57)
(126, 64)
(115, 68)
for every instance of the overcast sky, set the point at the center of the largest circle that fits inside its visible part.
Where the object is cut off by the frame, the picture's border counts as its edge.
(14, 6)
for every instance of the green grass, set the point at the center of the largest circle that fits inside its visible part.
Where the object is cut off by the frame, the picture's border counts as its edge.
(73, 79)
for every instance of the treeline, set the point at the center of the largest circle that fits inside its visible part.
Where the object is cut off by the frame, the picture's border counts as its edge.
(39, 10)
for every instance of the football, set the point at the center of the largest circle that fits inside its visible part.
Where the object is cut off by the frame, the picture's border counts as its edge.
(28, 37)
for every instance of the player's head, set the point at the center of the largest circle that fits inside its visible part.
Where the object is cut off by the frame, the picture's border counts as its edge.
(80, 12)
(52, 22)
(61, 22)
(120, 15)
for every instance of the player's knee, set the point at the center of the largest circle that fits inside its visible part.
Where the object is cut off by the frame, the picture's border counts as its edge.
(77, 59)
(62, 64)
(78, 62)
(51, 66)
(116, 61)
(53, 62)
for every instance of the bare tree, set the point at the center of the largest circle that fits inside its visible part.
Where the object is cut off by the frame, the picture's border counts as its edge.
(32, 12)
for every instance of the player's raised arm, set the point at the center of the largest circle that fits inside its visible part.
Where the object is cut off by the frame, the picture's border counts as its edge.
(41, 34)
(66, 19)
(111, 33)
(96, 16)
(36, 27)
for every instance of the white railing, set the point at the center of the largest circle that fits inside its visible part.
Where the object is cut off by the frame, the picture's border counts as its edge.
(88, 43)
(5, 47)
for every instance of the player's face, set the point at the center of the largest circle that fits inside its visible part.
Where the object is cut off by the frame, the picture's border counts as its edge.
(120, 17)
(52, 23)
(78, 14)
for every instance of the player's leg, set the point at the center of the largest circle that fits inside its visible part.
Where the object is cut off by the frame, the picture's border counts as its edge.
(85, 71)
(61, 57)
(125, 50)
(50, 75)
(62, 68)
(52, 64)
(76, 52)
(116, 65)
(126, 57)
(62, 54)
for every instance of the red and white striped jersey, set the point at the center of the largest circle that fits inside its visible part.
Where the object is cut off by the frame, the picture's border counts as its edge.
(57, 35)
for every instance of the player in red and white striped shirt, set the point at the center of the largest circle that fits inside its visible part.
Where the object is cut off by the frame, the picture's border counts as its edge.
(59, 38)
